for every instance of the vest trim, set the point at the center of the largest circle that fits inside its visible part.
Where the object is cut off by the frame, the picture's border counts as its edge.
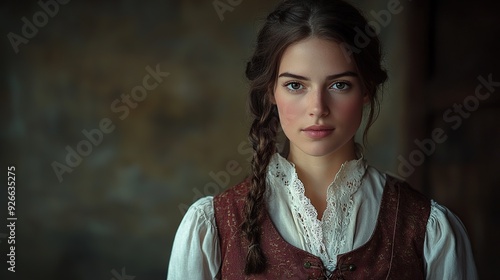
(394, 250)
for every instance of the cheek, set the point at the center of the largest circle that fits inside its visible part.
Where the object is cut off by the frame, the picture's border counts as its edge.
(288, 111)
(351, 110)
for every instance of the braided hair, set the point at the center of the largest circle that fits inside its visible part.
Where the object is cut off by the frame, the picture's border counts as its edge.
(290, 22)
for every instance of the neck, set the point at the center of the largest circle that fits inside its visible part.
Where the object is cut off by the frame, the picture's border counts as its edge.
(317, 172)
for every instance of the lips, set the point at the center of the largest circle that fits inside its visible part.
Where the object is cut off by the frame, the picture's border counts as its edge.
(318, 131)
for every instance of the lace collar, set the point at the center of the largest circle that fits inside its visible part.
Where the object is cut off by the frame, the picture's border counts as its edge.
(324, 237)
(350, 171)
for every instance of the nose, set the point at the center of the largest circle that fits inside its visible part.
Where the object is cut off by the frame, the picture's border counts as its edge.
(318, 104)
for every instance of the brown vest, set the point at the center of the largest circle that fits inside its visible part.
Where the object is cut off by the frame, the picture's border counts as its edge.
(395, 250)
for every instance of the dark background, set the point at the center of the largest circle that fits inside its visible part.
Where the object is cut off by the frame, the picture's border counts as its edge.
(116, 213)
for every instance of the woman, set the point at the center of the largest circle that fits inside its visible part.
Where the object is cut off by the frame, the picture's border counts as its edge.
(317, 210)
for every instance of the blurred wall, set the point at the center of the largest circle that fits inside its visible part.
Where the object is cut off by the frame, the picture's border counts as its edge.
(108, 160)
(453, 111)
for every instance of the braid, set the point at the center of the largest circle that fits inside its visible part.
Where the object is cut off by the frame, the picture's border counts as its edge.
(263, 138)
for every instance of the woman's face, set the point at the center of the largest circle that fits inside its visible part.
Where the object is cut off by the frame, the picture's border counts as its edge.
(319, 97)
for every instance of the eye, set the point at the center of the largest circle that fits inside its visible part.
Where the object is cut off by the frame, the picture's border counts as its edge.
(294, 86)
(341, 86)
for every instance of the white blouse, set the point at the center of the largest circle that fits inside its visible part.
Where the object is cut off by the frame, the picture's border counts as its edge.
(353, 202)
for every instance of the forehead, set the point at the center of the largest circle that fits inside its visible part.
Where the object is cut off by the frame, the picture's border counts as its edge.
(315, 55)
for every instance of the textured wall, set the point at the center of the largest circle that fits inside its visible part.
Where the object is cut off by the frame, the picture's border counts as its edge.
(148, 146)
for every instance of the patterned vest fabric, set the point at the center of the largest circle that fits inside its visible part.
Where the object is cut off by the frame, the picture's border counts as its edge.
(395, 250)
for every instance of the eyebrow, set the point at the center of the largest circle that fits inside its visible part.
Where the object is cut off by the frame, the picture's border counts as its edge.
(331, 77)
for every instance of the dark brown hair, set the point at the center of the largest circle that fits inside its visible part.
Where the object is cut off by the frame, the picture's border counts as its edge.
(290, 22)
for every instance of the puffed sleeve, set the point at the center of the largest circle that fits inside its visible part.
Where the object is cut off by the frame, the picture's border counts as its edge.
(195, 252)
(447, 250)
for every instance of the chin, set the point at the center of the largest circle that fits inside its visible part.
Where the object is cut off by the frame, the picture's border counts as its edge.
(320, 151)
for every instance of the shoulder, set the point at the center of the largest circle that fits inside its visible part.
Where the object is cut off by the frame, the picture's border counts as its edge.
(195, 251)
(405, 188)
(229, 209)
(398, 196)
(384, 182)
(233, 194)
(442, 221)
(200, 212)
(448, 253)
